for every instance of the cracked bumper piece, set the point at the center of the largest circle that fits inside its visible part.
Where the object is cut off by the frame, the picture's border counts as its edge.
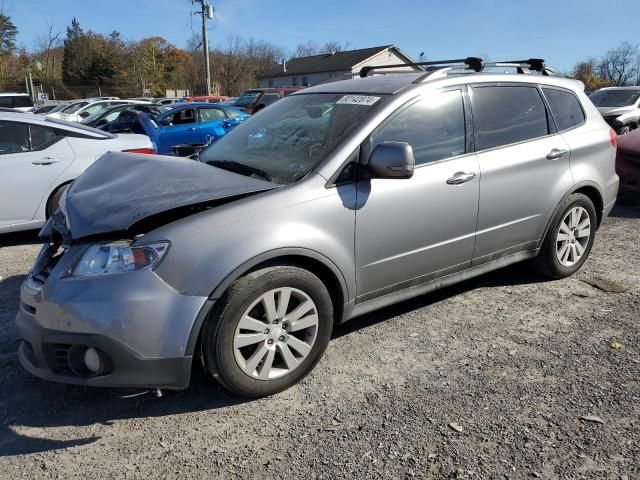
(58, 356)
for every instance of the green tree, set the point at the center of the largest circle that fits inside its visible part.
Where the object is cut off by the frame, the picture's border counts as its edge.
(8, 32)
(75, 62)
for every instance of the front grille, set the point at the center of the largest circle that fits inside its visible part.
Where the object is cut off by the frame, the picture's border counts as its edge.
(58, 357)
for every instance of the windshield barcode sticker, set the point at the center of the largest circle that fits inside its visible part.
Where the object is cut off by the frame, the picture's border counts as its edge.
(357, 100)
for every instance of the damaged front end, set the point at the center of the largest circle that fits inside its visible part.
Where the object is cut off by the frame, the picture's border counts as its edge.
(93, 311)
(128, 195)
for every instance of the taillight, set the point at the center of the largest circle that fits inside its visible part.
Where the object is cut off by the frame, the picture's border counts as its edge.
(614, 138)
(146, 151)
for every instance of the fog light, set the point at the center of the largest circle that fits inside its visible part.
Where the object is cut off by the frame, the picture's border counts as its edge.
(92, 360)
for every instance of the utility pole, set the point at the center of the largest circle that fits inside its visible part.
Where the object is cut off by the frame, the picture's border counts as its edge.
(207, 13)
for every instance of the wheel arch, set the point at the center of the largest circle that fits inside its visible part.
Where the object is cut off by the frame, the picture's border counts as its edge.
(310, 260)
(51, 195)
(591, 190)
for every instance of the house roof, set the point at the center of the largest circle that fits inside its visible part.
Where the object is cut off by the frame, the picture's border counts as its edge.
(326, 62)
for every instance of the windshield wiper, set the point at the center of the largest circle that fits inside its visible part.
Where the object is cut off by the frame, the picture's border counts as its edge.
(240, 168)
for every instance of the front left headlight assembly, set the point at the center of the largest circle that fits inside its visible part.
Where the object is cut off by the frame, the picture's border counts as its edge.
(119, 258)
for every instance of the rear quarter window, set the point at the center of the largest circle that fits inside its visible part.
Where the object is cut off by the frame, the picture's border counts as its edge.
(565, 108)
(503, 115)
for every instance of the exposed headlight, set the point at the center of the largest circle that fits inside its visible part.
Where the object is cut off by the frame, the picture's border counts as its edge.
(119, 258)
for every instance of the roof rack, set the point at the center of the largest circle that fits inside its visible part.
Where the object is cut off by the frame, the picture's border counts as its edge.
(470, 63)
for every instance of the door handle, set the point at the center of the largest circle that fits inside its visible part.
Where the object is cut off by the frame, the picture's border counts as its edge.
(461, 177)
(45, 161)
(191, 129)
(556, 153)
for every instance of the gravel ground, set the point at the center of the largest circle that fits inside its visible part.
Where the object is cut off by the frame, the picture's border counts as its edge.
(504, 376)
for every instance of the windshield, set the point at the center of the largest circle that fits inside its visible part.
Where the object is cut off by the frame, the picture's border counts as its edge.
(111, 114)
(247, 99)
(614, 98)
(74, 107)
(287, 140)
(17, 101)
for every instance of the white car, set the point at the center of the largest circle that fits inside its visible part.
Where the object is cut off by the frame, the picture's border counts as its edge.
(40, 156)
(17, 101)
(84, 108)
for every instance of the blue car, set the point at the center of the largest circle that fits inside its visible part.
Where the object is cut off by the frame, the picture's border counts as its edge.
(183, 124)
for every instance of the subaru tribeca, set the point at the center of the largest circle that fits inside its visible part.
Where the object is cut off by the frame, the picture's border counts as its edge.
(336, 201)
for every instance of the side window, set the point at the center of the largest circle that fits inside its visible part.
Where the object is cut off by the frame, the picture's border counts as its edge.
(14, 137)
(565, 108)
(211, 114)
(269, 98)
(41, 136)
(184, 116)
(434, 127)
(232, 114)
(507, 114)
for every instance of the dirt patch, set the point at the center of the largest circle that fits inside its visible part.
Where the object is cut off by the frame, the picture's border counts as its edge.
(504, 376)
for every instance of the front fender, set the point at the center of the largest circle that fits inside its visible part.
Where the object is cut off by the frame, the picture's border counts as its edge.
(205, 261)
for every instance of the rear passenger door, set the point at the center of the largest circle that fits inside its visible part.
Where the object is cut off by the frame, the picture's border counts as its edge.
(413, 230)
(524, 168)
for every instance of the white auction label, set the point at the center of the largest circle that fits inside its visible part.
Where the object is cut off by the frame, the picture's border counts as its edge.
(358, 100)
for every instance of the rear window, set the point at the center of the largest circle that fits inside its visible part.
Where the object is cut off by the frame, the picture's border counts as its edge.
(507, 114)
(565, 108)
(15, 101)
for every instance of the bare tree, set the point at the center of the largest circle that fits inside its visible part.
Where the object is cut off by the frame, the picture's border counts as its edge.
(310, 48)
(587, 71)
(621, 65)
(47, 44)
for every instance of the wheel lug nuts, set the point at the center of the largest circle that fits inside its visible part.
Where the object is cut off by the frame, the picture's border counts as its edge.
(285, 325)
(281, 338)
(275, 321)
(270, 341)
(266, 332)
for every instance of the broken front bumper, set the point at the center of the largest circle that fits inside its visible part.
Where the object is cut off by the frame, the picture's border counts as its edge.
(139, 326)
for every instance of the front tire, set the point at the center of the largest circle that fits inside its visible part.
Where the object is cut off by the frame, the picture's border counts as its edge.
(569, 239)
(54, 200)
(268, 331)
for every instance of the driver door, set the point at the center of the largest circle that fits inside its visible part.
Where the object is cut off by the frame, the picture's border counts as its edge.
(411, 231)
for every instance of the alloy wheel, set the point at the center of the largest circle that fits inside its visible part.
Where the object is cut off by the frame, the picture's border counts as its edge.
(573, 236)
(276, 333)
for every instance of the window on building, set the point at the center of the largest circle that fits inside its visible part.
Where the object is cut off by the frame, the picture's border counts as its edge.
(294, 81)
(305, 81)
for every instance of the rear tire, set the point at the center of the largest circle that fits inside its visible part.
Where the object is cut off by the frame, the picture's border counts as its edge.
(569, 239)
(268, 331)
(54, 200)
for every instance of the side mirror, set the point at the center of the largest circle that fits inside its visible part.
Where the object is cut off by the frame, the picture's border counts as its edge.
(392, 160)
(165, 122)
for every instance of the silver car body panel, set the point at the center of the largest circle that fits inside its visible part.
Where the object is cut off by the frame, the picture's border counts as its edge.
(382, 240)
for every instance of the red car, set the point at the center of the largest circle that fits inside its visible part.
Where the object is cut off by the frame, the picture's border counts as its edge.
(251, 101)
(628, 166)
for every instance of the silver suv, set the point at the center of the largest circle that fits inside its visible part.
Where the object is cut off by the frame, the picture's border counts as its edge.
(336, 201)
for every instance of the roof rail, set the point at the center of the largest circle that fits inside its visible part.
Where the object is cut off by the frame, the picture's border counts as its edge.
(470, 63)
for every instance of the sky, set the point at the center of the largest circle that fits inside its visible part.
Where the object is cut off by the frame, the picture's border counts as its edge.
(560, 31)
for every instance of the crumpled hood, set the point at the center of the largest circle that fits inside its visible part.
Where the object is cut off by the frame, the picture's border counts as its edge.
(120, 189)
